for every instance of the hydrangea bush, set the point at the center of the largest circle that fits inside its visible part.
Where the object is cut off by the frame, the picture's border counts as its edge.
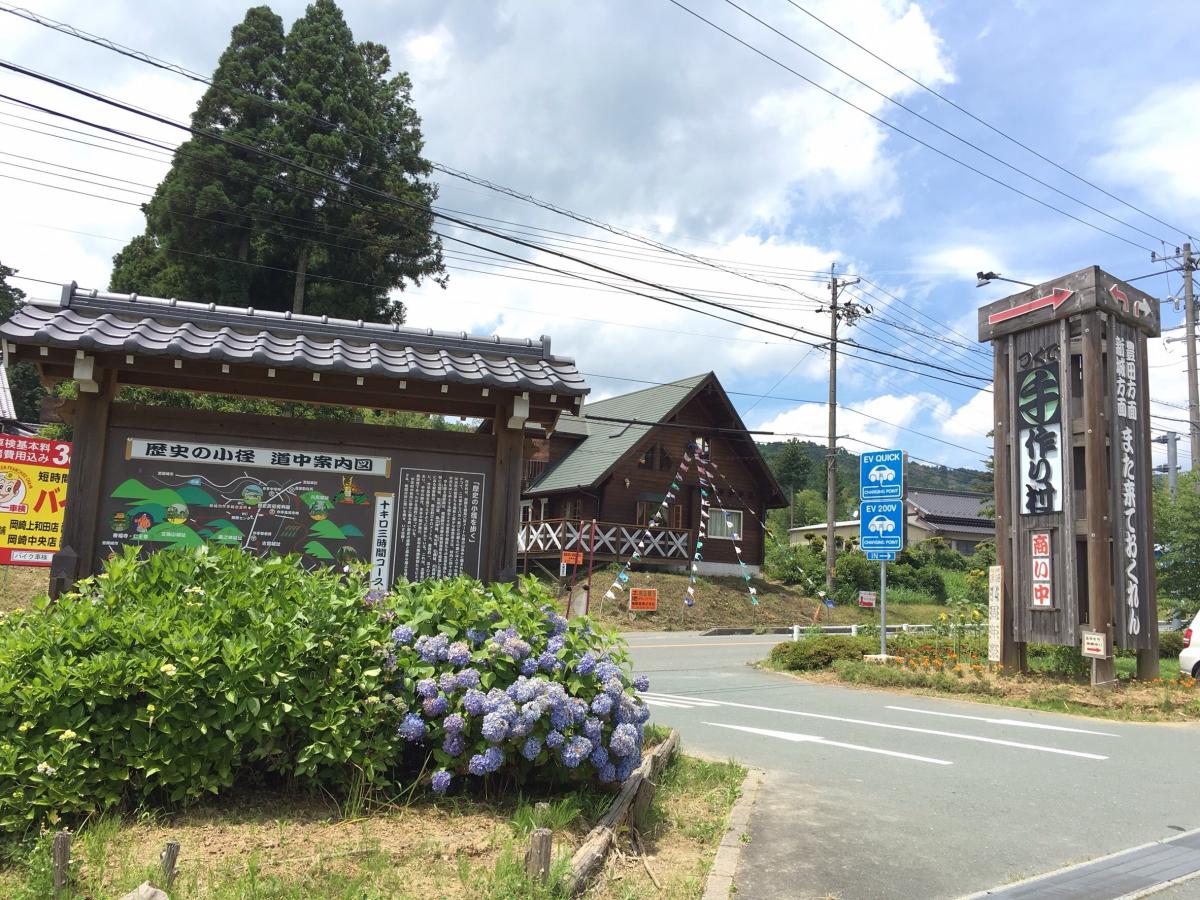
(500, 680)
(172, 677)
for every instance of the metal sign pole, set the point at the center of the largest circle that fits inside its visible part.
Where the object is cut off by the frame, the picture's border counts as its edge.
(882, 608)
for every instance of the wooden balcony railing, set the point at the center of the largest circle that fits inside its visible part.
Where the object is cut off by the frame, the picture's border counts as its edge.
(552, 536)
(532, 471)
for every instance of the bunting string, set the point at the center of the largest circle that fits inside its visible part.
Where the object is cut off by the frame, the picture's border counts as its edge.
(689, 598)
(706, 482)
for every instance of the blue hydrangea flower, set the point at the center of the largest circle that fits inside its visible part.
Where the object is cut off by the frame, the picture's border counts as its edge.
(529, 666)
(427, 688)
(607, 671)
(494, 757)
(448, 682)
(575, 751)
(593, 728)
(474, 702)
(548, 662)
(641, 683)
(614, 688)
(626, 766)
(412, 729)
(608, 774)
(602, 705)
(625, 711)
(477, 765)
(454, 723)
(475, 636)
(560, 716)
(435, 706)
(373, 597)
(432, 649)
(598, 757)
(390, 662)
(495, 727)
(468, 678)
(458, 654)
(642, 713)
(523, 725)
(441, 781)
(402, 635)
(531, 748)
(554, 740)
(555, 643)
(527, 689)
(454, 744)
(579, 709)
(496, 698)
(586, 664)
(624, 740)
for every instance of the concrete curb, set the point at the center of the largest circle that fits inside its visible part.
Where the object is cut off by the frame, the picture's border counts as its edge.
(720, 877)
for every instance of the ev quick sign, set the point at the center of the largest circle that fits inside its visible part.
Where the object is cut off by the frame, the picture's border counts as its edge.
(881, 475)
(881, 514)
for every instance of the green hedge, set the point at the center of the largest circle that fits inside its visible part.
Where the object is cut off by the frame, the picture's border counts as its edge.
(819, 652)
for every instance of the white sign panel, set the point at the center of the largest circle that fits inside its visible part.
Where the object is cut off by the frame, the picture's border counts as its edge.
(215, 453)
(1094, 645)
(381, 540)
(995, 589)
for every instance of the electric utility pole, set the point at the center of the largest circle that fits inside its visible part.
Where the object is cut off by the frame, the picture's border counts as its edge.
(1189, 305)
(1171, 439)
(850, 312)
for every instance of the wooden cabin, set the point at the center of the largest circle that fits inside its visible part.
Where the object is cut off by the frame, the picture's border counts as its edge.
(595, 482)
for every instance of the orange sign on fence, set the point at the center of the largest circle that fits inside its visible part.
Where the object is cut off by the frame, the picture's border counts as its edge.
(572, 557)
(643, 599)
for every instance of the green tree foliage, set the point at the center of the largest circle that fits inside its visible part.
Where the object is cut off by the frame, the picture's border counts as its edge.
(26, 386)
(1177, 532)
(231, 225)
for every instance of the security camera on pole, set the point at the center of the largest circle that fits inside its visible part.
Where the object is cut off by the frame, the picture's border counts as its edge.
(881, 517)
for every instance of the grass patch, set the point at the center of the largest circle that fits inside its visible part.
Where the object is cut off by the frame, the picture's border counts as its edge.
(276, 846)
(20, 584)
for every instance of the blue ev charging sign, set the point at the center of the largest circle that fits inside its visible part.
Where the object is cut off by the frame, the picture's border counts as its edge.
(881, 475)
(881, 525)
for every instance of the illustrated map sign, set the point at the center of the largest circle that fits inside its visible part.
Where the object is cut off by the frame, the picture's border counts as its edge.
(410, 514)
(866, 598)
(881, 475)
(33, 494)
(881, 525)
(643, 599)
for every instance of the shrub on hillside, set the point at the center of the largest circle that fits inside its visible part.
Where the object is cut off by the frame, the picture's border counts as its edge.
(170, 677)
(800, 564)
(820, 652)
(927, 581)
(853, 572)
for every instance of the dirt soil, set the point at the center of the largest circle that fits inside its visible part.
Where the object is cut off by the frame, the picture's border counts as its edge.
(20, 584)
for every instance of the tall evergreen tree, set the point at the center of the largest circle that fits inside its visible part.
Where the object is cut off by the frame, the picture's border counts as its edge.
(23, 380)
(234, 226)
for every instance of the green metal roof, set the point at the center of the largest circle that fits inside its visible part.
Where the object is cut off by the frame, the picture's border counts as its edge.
(607, 442)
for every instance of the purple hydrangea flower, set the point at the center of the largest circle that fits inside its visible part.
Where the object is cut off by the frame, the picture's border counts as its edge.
(598, 757)
(575, 751)
(624, 740)
(454, 723)
(390, 662)
(477, 765)
(435, 706)
(593, 728)
(586, 664)
(441, 781)
(432, 649)
(495, 727)
(474, 702)
(602, 704)
(531, 749)
(373, 597)
(412, 729)
(448, 682)
(402, 635)
(427, 688)
(557, 623)
(607, 671)
(554, 740)
(475, 636)
(454, 744)
(641, 683)
(523, 725)
(468, 678)
(529, 666)
(458, 654)
(527, 689)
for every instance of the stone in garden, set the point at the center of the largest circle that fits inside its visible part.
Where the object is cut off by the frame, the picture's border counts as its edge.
(146, 891)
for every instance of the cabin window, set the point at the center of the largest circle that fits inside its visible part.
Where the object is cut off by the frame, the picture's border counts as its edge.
(665, 463)
(648, 457)
(725, 524)
(572, 509)
(700, 444)
(672, 517)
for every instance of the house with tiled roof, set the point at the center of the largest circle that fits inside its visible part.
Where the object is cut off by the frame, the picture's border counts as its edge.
(595, 482)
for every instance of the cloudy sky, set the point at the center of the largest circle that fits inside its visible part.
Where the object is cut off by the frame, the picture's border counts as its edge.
(638, 114)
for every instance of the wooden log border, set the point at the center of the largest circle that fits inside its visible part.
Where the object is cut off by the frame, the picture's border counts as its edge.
(640, 785)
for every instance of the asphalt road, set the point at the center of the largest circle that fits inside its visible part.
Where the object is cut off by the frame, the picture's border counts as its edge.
(874, 794)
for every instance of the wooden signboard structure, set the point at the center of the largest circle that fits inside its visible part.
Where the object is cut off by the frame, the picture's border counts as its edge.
(1074, 531)
(409, 502)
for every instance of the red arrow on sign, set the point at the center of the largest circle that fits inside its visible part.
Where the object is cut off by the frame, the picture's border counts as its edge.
(1055, 299)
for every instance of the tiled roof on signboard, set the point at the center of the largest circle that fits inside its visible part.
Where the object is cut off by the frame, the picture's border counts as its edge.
(99, 322)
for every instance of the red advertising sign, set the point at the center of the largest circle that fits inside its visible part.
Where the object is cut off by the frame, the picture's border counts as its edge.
(643, 599)
(866, 598)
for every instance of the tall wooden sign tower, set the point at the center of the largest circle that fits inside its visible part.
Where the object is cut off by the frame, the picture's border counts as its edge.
(1074, 531)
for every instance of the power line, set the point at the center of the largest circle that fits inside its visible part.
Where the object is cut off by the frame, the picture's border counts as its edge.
(944, 154)
(986, 124)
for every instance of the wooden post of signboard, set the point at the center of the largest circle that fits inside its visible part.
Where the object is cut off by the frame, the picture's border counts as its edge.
(1012, 652)
(1099, 526)
(89, 421)
(506, 505)
(1147, 657)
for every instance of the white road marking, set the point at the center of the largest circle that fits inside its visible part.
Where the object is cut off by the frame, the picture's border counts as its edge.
(668, 698)
(1016, 722)
(950, 734)
(813, 739)
(654, 701)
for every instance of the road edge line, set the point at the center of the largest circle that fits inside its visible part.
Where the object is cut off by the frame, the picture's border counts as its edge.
(719, 885)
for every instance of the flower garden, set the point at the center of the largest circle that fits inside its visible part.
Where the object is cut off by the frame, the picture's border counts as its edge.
(188, 674)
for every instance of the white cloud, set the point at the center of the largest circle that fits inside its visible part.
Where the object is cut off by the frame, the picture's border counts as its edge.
(973, 420)
(881, 425)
